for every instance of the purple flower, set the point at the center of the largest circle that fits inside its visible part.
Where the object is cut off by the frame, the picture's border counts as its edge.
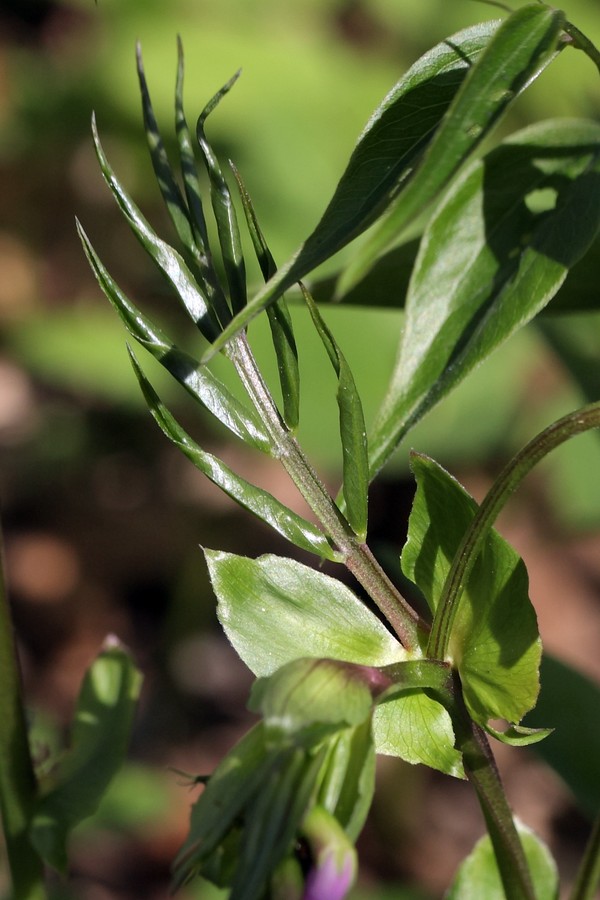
(334, 857)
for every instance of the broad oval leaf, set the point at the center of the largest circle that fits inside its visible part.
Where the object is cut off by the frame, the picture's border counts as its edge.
(98, 743)
(494, 254)
(516, 54)
(259, 502)
(494, 642)
(478, 876)
(384, 158)
(275, 610)
(419, 730)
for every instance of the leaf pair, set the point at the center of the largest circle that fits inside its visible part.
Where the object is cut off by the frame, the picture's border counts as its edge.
(427, 126)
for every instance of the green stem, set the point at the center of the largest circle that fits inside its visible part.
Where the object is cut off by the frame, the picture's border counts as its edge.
(507, 482)
(580, 42)
(481, 770)
(17, 779)
(588, 877)
(355, 554)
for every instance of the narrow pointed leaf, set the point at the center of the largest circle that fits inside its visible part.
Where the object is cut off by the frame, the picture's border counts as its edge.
(275, 610)
(479, 877)
(491, 258)
(166, 180)
(353, 431)
(166, 257)
(189, 222)
(227, 791)
(383, 161)
(98, 744)
(262, 504)
(494, 643)
(280, 321)
(224, 210)
(521, 48)
(347, 779)
(196, 379)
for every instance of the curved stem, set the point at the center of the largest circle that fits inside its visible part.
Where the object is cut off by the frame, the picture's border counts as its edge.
(355, 554)
(507, 482)
(17, 779)
(588, 877)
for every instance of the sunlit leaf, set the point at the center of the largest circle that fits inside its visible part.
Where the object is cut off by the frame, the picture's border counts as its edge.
(494, 254)
(223, 208)
(478, 876)
(418, 730)
(166, 257)
(196, 379)
(518, 51)
(353, 431)
(385, 157)
(98, 743)
(494, 642)
(275, 610)
(519, 735)
(261, 503)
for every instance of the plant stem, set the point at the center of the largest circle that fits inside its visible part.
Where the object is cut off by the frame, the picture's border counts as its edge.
(481, 770)
(355, 554)
(588, 877)
(17, 779)
(506, 483)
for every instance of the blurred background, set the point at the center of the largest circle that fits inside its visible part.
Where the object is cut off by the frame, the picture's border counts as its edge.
(103, 519)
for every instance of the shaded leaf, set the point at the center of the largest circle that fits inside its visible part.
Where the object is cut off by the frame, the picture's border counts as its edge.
(196, 379)
(98, 743)
(275, 610)
(353, 431)
(516, 53)
(478, 875)
(569, 702)
(347, 779)
(280, 321)
(261, 503)
(166, 257)
(383, 160)
(491, 258)
(494, 641)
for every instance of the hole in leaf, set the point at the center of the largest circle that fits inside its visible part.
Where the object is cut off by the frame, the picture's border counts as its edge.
(542, 200)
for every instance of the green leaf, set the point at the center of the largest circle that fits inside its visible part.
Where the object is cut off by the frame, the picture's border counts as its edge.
(196, 379)
(383, 160)
(189, 222)
(224, 797)
(98, 743)
(275, 610)
(569, 702)
(494, 641)
(166, 257)
(493, 255)
(519, 735)
(353, 431)
(419, 730)
(347, 779)
(514, 56)
(223, 208)
(307, 692)
(280, 321)
(264, 506)
(478, 876)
